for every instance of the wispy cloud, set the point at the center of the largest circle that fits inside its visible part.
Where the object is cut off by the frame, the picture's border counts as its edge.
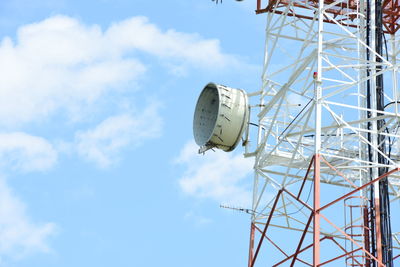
(140, 34)
(220, 176)
(19, 236)
(61, 68)
(58, 64)
(61, 64)
(20, 151)
(103, 143)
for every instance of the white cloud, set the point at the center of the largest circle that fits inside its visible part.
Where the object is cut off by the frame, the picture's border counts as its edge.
(20, 151)
(219, 176)
(61, 67)
(103, 143)
(61, 64)
(57, 64)
(18, 235)
(137, 32)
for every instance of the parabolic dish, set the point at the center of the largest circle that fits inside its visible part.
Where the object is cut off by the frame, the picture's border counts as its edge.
(220, 117)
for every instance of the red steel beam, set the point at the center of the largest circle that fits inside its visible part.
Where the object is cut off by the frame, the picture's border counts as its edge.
(352, 240)
(272, 242)
(305, 177)
(299, 200)
(302, 250)
(266, 227)
(341, 256)
(251, 245)
(338, 172)
(366, 235)
(343, 249)
(391, 11)
(378, 229)
(302, 239)
(317, 205)
(359, 188)
(277, 247)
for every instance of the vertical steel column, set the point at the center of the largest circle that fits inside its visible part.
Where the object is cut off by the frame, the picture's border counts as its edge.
(317, 206)
(318, 82)
(394, 72)
(378, 224)
(251, 245)
(318, 111)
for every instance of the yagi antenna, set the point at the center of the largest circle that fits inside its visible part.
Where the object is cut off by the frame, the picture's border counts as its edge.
(217, 1)
(248, 211)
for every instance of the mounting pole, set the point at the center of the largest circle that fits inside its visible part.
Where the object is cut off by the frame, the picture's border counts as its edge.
(318, 111)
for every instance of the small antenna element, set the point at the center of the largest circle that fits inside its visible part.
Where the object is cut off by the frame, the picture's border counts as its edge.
(217, 1)
(248, 211)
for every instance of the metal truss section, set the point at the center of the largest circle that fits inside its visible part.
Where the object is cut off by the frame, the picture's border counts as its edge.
(312, 167)
(344, 12)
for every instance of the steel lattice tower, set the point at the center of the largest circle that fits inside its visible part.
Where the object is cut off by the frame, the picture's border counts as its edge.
(327, 154)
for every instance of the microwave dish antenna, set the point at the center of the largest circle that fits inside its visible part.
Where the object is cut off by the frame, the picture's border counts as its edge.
(220, 117)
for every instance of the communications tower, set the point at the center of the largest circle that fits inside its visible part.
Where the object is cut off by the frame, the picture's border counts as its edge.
(326, 142)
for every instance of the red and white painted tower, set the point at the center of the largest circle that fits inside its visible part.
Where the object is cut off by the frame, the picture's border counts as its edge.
(326, 147)
(327, 171)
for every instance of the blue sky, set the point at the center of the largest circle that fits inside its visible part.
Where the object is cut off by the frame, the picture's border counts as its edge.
(98, 164)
